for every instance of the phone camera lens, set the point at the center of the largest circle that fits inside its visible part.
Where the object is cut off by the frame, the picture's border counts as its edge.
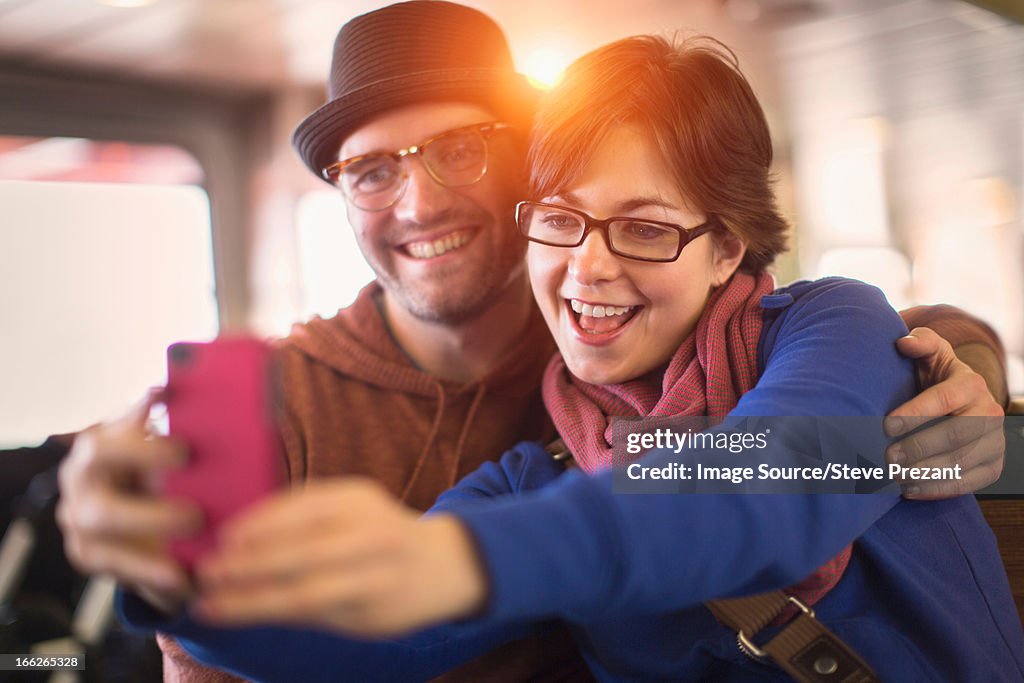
(180, 354)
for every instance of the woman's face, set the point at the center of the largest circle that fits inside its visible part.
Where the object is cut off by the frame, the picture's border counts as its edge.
(663, 301)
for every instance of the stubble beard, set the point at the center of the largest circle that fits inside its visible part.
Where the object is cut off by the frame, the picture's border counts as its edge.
(456, 298)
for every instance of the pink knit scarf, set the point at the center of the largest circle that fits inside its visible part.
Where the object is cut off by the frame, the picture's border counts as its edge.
(713, 367)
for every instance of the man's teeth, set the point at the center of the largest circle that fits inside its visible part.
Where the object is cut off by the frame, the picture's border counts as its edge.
(598, 311)
(440, 246)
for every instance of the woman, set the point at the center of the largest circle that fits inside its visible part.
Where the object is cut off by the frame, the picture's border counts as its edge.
(649, 243)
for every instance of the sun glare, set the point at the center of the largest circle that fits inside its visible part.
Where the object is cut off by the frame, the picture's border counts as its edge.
(544, 67)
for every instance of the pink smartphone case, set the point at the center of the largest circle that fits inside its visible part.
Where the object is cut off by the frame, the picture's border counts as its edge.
(219, 403)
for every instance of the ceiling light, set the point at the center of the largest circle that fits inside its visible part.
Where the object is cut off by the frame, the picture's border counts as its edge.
(126, 4)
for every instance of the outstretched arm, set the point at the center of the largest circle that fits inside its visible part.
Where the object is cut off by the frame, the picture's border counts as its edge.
(284, 654)
(280, 654)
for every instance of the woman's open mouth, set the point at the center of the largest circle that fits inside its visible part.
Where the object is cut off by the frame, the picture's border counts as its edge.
(599, 321)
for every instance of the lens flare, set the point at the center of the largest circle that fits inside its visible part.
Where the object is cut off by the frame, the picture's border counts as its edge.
(544, 67)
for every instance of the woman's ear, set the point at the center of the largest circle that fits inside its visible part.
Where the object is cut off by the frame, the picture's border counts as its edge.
(729, 251)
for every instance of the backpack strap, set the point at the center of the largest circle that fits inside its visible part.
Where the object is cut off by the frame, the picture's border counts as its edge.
(804, 648)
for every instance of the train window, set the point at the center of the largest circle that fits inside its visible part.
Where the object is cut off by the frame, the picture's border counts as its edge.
(107, 259)
(908, 168)
(885, 267)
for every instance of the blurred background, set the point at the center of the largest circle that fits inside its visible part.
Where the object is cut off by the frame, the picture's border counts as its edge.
(148, 191)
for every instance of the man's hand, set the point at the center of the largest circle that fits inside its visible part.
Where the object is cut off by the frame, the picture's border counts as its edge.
(345, 555)
(977, 443)
(111, 519)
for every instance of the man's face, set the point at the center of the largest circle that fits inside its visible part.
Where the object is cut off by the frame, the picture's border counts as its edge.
(443, 253)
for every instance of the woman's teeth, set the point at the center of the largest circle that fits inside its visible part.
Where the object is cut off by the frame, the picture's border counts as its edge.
(598, 311)
(601, 318)
(450, 242)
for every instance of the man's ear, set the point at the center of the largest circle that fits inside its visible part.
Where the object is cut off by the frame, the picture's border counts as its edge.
(729, 251)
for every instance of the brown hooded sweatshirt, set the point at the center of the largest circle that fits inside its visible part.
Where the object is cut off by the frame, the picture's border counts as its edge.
(352, 403)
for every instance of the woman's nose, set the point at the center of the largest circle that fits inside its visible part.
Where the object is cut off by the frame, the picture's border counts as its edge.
(423, 199)
(592, 261)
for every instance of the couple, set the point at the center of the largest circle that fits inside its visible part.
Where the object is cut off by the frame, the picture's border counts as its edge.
(667, 311)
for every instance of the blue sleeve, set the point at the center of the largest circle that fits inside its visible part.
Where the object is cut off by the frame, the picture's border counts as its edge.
(525, 467)
(832, 352)
(291, 654)
(578, 551)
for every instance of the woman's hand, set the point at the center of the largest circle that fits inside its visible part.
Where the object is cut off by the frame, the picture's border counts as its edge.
(111, 516)
(345, 555)
(975, 440)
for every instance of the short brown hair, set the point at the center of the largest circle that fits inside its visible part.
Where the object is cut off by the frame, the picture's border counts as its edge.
(701, 113)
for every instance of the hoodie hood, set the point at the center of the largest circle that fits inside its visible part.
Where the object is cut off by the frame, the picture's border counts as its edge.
(485, 416)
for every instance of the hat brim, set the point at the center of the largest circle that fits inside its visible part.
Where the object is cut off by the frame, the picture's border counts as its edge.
(318, 137)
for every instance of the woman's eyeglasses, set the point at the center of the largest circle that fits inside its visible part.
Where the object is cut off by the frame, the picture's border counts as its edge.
(633, 238)
(374, 182)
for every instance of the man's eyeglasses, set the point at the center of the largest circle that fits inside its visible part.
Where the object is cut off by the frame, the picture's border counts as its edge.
(643, 240)
(374, 182)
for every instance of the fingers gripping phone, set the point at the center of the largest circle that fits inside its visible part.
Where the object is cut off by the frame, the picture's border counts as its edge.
(219, 404)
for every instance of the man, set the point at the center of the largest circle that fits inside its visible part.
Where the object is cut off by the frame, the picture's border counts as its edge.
(436, 367)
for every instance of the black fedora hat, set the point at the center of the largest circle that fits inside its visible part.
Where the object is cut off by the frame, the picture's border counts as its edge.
(407, 53)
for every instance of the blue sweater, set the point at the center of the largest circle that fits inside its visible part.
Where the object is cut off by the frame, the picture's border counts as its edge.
(925, 596)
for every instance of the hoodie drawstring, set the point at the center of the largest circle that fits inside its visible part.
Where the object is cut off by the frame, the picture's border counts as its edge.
(453, 474)
(477, 400)
(430, 441)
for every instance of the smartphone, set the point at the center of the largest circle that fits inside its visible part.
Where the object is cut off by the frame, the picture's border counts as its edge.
(219, 403)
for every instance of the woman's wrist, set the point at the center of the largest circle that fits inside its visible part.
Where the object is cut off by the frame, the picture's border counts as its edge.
(452, 562)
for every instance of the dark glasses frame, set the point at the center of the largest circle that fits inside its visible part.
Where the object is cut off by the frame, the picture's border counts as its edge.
(686, 235)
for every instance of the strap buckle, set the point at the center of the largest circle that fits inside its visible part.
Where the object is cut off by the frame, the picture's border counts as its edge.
(559, 451)
(747, 646)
